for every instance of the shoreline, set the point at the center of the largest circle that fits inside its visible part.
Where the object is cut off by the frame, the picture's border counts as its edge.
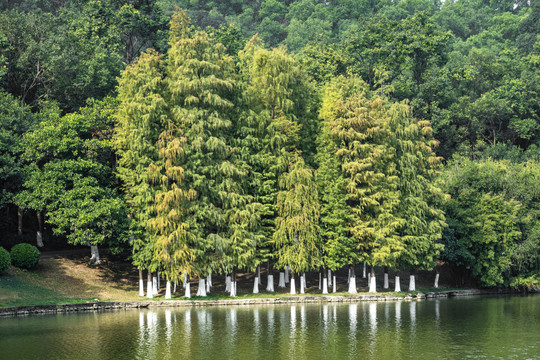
(145, 304)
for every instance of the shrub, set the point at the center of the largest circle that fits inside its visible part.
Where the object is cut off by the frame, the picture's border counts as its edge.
(5, 260)
(24, 256)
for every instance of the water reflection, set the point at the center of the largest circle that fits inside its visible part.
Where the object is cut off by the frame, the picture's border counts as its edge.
(375, 330)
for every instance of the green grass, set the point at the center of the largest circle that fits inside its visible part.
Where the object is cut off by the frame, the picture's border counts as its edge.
(17, 292)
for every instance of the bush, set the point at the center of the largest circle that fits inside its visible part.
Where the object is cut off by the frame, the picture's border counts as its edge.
(5, 260)
(24, 256)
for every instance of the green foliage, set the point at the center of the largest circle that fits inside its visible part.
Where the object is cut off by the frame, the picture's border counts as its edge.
(493, 215)
(5, 260)
(297, 230)
(24, 256)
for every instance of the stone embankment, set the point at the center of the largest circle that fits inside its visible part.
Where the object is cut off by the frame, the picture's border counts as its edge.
(122, 305)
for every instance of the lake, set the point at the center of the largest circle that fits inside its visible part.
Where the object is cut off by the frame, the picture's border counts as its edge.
(501, 327)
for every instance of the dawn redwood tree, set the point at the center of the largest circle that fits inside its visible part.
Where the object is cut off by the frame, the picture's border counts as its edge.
(201, 87)
(361, 134)
(420, 199)
(338, 248)
(297, 223)
(174, 240)
(140, 118)
(274, 93)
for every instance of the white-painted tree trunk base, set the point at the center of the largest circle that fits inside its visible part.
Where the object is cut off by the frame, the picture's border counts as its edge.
(329, 277)
(185, 281)
(154, 285)
(259, 275)
(368, 279)
(397, 287)
(201, 289)
(233, 289)
(168, 290)
(281, 282)
(304, 281)
(207, 286)
(364, 271)
(94, 252)
(436, 285)
(412, 283)
(174, 288)
(187, 292)
(228, 284)
(385, 285)
(209, 280)
(352, 285)
(256, 285)
(293, 287)
(334, 285)
(39, 240)
(141, 287)
(372, 284)
(325, 286)
(149, 292)
(270, 285)
(287, 269)
(302, 284)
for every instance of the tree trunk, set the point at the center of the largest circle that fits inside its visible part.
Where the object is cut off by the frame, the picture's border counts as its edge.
(233, 284)
(436, 284)
(39, 234)
(386, 285)
(187, 292)
(174, 288)
(397, 285)
(168, 290)
(154, 285)
(412, 282)
(325, 282)
(372, 281)
(352, 281)
(320, 280)
(329, 277)
(270, 284)
(208, 283)
(292, 284)
(334, 285)
(256, 285)
(281, 282)
(259, 274)
(228, 284)
(287, 270)
(158, 281)
(149, 291)
(302, 284)
(185, 281)
(201, 289)
(94, 252)
(141, 283)
(20, 212)
(364, 271)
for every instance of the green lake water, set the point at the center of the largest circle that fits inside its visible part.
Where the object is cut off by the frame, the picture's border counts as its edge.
(503, 327)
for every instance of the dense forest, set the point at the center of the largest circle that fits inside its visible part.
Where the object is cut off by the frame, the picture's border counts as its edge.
(210, 137)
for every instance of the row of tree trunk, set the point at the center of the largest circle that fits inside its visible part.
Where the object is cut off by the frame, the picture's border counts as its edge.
(326, 280)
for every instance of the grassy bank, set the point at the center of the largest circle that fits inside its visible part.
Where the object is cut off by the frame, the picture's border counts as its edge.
(64, 280)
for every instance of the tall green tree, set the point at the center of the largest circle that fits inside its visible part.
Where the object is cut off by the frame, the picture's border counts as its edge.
(140, 118)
